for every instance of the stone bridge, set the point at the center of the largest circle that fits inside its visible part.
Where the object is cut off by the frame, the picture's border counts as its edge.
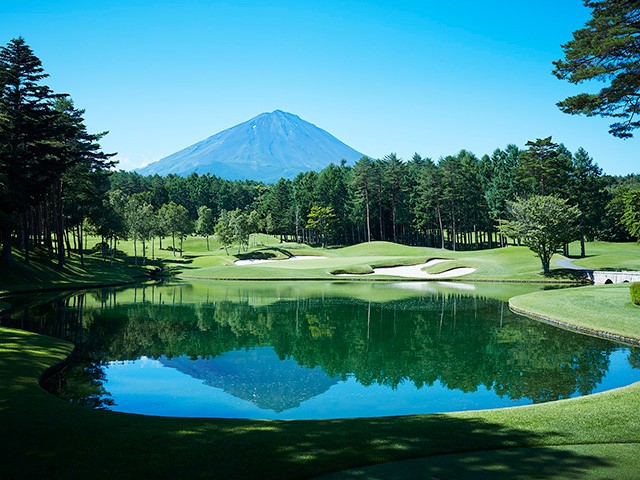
(600, 277)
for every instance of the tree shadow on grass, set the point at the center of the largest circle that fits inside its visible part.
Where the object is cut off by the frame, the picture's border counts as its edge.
(44, 437)
(505, 464)
(269, 253)
(567, 274)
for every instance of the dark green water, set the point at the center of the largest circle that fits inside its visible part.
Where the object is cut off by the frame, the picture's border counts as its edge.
(314, 350)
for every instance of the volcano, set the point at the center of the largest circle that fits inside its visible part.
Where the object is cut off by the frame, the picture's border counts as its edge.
(266, 148)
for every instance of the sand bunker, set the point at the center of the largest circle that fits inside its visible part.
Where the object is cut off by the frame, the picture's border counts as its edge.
(257, 261)
(415, 271)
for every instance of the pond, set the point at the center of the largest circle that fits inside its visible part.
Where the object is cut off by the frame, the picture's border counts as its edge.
(311, 350)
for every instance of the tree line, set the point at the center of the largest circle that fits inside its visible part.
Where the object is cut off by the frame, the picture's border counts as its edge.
(458, 202)
(52, 171)
(56, 185)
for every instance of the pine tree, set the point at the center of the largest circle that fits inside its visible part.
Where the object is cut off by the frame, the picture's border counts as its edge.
(606, 50)
(28, 137)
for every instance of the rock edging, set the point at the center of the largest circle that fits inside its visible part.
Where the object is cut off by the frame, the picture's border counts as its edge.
(577, 328)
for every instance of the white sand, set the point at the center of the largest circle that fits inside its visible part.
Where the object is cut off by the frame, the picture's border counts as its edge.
(256, 261)
(415, 271)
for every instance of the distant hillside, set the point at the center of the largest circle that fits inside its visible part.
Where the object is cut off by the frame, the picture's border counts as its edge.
(265, 148)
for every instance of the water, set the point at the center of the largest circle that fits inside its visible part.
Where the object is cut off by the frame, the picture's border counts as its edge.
(307, 350)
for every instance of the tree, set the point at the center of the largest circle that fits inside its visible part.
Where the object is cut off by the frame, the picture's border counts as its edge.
(332, 191)
(428, 199)
(503, 184)
(83, 181)
(205, 224)
(586, 190)
(224, 230)
(278, 202)
(394, 175)
(544, 166)
(631, 216)
(175, 220)
(139, 219)
(253, 224)
(606, 50)
(544, 223)
(241, 230)
(361, 182)
(321, 219)
(28, 144)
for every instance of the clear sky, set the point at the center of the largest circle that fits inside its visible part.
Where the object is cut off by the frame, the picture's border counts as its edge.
(400, 76)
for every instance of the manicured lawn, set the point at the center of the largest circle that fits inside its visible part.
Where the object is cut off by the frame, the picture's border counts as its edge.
(601, 308)
(46, 275)
(597, 436)
(43, 437)
(511, 263)
(608, 256)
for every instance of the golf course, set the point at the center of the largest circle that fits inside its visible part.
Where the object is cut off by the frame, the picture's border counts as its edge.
(593, 436)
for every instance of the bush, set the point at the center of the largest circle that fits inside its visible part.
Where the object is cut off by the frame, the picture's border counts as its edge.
(42, 254)
(635, 293)
(100, 247)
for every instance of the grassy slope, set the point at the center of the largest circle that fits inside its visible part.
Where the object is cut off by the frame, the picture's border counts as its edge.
(45, 437)
(512, 263)
(40, 276)
(597, 436)
(602, 308)
(608, 256)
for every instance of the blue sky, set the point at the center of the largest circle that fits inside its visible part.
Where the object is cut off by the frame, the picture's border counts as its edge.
(382, 76)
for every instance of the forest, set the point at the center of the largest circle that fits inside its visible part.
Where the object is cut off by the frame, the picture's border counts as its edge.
(57, 186)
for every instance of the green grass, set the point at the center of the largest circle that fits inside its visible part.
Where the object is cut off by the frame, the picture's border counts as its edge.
(45, 437)
(608, 255)
(602, 308)
(511, 263)
(46, 275)
(597, 436)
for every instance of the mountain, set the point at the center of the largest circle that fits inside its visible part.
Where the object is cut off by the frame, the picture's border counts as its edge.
(265, 148)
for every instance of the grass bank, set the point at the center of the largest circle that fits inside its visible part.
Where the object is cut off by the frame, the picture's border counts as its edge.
(506, 264)
(600, 309)
(608, 255)
(45, 437)
(596, 436)
(45, 275)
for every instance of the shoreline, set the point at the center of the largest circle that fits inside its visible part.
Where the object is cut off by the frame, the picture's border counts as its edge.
(632, 341)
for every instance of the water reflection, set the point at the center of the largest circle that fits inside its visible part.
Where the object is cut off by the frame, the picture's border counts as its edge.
(278, 346)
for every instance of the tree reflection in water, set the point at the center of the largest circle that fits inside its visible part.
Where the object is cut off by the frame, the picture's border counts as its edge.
(461, 341)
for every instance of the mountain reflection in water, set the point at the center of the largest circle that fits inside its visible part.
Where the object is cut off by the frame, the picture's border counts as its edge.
(258, 376)
(284, 347)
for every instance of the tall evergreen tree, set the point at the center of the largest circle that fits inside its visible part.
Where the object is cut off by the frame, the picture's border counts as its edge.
(544, 167)
(27, 134)
(362, 184)
(586, 191)
(395, 179)
(606, 50)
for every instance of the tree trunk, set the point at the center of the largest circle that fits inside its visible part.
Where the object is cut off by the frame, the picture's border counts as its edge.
(6, 257)
(441, 227)
(135, 251)
(366, 196)
(59, 225)
(80, 244)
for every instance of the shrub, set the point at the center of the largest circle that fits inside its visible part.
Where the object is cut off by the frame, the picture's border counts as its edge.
(100, 247)
(635, 293)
